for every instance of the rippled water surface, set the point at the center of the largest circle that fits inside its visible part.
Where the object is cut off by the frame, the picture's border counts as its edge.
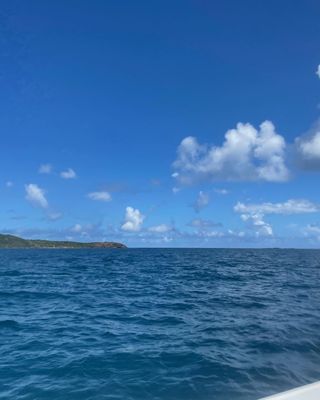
(158, 324)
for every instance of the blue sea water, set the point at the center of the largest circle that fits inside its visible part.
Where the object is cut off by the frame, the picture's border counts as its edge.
(158, 323)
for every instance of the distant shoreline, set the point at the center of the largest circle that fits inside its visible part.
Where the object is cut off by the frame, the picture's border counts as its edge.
(15, 242)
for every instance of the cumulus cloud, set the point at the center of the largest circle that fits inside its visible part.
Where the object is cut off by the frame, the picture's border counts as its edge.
(36, 196)
(100, 196)
(311, 148)
(308, 149)
(247, 154)
(162, 228)
(133, 220)
(45, 169)
(318, 71)
(201, 202)
(288, 207)
(68, 174)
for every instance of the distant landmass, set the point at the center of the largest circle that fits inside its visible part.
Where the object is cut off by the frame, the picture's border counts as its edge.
(14, 242)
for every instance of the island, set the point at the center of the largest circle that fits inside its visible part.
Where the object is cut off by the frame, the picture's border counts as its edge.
(15, 242)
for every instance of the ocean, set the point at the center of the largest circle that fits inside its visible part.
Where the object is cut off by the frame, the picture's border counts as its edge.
(165, 324)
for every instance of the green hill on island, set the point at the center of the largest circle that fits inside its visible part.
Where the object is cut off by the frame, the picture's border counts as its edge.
(15, 242)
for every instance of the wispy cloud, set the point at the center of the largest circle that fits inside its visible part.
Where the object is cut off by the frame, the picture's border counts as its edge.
(68, 174)
(201, 202)
(45, 169)
(288, 207)
(100, 196)
(203, 223)
(54, 216)
(257, 223)
(77, 228)
(162, 228)
(36, 196)
(312, 231)
(221, 191)
(175, 190)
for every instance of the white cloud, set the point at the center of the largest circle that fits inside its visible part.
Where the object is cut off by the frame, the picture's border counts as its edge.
(221, 191)
(45, 169)
(100, 196)
(36, 196)
(289, 207)
(9, 184)
(308, 149)
(256, 222)
(318, 71)
(247, 154)
(133, 220)
(162, 228)
(253, 214)
(201, 202)
(311, 148)
(68, 174)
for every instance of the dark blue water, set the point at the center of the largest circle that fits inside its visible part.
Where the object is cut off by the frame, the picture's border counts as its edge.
(158, 324)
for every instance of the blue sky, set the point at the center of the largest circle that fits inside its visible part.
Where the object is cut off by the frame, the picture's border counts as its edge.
(161, 123)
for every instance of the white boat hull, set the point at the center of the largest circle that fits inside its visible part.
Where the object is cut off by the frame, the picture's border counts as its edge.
(307, 392)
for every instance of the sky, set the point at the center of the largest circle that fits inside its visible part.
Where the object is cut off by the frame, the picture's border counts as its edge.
(161, 123)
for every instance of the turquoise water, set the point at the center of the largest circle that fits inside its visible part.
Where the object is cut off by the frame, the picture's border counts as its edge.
(158, 324)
